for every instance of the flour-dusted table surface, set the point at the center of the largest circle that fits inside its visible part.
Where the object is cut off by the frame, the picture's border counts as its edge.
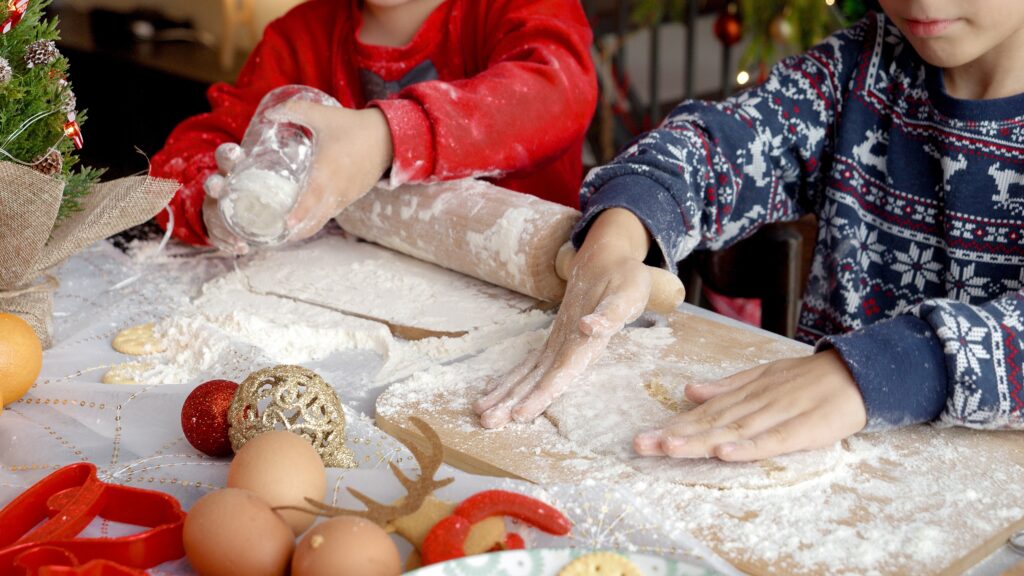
(132, 432)
(997, 563)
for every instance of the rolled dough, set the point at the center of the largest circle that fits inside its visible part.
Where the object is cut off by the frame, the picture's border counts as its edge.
(614, 402)
(588, 432)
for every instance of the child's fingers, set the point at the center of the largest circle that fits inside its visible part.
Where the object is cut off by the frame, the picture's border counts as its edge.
(554, 382)
(501, 413)
(227, 156)
(648, 443)
(572, 359)
(318, 202)
(493, 383)
(785, 437)
(214, 186)
(217, 231)
(496, 417)
(305, 214)
(703, 391)
(301, 112)
(705, 443)
(726, 415)
(500, 387)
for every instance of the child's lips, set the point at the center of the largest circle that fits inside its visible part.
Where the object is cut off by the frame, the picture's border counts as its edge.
(929, 28)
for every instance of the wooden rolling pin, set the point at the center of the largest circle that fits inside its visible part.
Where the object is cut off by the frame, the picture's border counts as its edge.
(667, 290)
(500, 236)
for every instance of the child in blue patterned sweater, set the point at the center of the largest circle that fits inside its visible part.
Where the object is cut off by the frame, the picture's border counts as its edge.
(904, 135)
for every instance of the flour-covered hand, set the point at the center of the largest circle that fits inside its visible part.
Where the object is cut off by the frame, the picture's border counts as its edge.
(352, 151)
(776, 408)
(227, 156)
(608, 287)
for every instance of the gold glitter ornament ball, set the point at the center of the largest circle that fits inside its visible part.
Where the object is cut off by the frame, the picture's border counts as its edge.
(295, 399)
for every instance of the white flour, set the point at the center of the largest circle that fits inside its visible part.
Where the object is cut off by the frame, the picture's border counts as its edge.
(502, 242)
(599, 415)
(230, 327)
(879, 504)
(367, 279)
(257, 203)
(228, 318)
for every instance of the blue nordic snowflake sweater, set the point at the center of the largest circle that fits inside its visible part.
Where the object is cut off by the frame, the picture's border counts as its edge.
(919, 263)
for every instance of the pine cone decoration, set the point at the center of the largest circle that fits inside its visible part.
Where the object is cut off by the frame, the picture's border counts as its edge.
(6, 73)
(40, 53)
(70, 103)
(49, 164)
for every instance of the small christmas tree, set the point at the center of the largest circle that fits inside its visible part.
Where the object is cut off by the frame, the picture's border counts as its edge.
(49, 208)
(782, 27)
(774, 28)
(39, 124)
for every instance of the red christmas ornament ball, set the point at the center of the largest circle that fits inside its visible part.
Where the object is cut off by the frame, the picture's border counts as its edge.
(728, 28)
(204, 417)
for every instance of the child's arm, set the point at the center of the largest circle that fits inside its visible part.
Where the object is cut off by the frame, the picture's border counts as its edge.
(944, 359)
(188, 155)
(710, 175)
(533, 97)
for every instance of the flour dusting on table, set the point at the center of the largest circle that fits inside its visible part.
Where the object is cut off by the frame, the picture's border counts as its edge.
(359, 277)
(633, 388)
(907, 501)
(230, 319)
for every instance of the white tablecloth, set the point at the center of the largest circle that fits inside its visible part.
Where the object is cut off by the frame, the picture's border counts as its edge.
(132, 433)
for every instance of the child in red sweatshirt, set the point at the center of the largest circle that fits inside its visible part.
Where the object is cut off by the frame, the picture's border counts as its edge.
(432, 90)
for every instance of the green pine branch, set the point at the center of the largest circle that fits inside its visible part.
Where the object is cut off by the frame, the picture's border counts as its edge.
(31, 116)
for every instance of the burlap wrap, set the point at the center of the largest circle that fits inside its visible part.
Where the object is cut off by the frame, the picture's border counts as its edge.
(30, 246)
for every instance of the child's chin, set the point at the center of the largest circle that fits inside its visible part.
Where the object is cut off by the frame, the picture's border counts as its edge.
(943, 52)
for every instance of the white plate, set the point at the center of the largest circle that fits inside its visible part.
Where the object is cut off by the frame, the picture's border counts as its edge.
(549, 562)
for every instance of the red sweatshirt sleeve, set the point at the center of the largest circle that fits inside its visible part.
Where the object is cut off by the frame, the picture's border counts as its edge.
(533, 97)
(188, 155)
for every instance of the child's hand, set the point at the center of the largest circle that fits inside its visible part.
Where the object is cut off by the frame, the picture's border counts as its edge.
(227, 155)
(776, 408)
(609, 287)
(353, 149)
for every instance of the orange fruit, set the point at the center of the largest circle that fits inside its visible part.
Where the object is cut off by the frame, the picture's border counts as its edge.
(21, 358)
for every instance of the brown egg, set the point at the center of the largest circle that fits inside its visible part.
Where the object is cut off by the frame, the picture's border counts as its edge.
(346, 546)
(233, 531)
(283, 469)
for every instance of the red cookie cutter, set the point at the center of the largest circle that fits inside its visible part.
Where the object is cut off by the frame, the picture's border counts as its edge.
(446, 540)
(40, 527)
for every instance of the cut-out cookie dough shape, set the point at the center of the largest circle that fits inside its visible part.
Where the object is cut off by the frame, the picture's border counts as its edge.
(139, 341)
(125, 373)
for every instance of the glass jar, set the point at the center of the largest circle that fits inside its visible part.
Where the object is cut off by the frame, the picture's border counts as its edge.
(266, 182)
